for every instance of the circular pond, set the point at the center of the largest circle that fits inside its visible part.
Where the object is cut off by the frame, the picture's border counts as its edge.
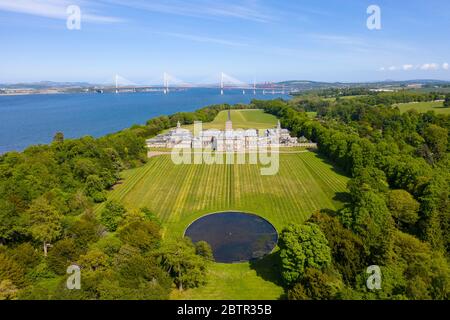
(234, 236)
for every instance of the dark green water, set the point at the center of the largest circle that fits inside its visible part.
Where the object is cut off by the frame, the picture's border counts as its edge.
(234, 236)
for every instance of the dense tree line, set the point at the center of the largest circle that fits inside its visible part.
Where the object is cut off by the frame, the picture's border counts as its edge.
(398, 212)
(337, 92)
(358, 98)
(447, 101)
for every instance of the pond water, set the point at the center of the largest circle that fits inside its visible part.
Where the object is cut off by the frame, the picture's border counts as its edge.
(234, 236)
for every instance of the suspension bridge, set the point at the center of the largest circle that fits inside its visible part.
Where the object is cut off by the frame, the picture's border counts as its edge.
(223, 83)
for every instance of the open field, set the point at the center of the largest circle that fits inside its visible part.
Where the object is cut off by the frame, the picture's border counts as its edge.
(436, 106)
(242, 119)
(433, 89)
(333, 99)
(179, 194)
(282, 149)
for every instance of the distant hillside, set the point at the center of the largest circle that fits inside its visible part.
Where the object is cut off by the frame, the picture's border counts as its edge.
(45, 85)
(303, 85)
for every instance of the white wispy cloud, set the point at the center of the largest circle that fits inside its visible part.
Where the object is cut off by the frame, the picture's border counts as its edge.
(424, 67)
(359, 44)
(429, 66)
(338, 39)
(205, 39)
(246, 10)
(407, 67)
(54, 9)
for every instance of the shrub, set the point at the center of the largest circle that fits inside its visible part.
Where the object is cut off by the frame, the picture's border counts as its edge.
(63, 254)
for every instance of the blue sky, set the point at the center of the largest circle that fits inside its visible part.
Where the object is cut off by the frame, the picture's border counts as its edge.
(195, 40)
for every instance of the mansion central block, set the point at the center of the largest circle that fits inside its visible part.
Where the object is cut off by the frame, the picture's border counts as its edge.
(224, 140)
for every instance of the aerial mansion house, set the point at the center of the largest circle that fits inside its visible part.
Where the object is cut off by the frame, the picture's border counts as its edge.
(228, 140)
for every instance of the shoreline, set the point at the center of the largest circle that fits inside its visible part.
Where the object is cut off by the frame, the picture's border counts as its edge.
(32, 93)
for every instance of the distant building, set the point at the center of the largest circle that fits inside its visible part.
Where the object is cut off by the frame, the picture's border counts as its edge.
(382, 90)
(224, 140)
(414, 86)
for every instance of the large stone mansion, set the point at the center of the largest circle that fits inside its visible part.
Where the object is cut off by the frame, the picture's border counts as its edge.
(224, 140)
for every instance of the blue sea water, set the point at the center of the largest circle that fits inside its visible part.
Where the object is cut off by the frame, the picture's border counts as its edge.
(34, 119)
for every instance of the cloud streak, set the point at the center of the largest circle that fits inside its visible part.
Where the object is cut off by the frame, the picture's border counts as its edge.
(197, 38)
(359, 44)
(200, 8)
(53, 9)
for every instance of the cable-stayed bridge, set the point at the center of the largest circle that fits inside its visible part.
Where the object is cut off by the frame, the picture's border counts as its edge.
(170, 83)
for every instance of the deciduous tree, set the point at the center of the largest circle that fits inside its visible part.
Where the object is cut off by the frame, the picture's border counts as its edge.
(203, 249)
(302, 246)
(63, 254)
(187, 268)
(44, 221)
(447, 101)
(111, 215)
(404, 208)
(437, 139)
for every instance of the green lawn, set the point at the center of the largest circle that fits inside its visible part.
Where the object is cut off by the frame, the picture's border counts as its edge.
(180, 194)
(242, 119)
(345, 97)
(312, 114)
(436, 106)
(241, 281)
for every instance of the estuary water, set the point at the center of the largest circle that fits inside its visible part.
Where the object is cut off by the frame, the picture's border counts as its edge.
(34, 119)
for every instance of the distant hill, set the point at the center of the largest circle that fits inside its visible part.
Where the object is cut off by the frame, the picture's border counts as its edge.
(45, 85)
(303, 85)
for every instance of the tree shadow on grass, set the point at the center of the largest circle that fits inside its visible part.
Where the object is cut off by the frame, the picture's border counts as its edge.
(334, 166)
(344, 197)
(328, 212)
(269, 268)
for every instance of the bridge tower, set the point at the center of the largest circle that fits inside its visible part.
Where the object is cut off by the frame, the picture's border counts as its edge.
(117, 83)
(166, 83)
(221, 83)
